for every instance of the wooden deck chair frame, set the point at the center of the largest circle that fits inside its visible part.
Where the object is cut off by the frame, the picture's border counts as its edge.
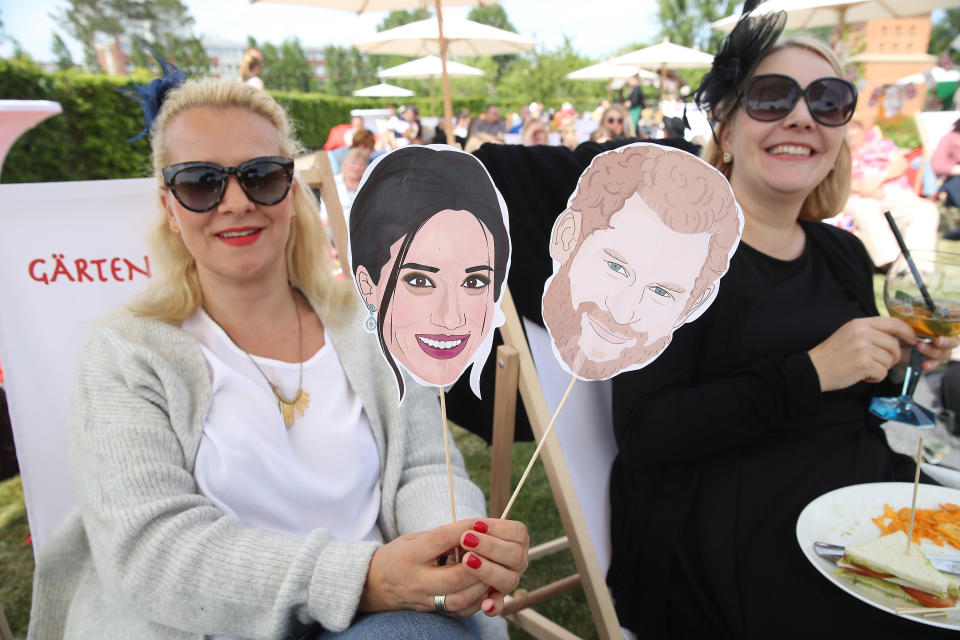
(516, 372)
(320, 177)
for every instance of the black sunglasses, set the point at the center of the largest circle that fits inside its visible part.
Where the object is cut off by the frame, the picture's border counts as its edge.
(199, 186)
(771, 97)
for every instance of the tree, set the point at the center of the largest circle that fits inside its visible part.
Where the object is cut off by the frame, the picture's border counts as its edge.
(686, 22)
(495, 15)
(541, 77)
(347, 70)
(61, 53)
(287, 68)
(943, 33)
(400, 18)
(163, 24)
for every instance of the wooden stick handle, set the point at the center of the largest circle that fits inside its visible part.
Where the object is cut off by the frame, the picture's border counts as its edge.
(536, 453)
(446, 451)
(916, 487)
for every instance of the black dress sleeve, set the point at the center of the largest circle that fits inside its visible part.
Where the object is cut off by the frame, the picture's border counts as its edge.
(687, 405)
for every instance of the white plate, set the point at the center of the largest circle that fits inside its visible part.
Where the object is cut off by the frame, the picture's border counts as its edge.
(844, 517)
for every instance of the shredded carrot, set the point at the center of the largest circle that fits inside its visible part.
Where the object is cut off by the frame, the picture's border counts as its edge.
(937, 525)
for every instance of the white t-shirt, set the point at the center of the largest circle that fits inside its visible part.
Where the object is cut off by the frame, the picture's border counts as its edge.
(323, 472)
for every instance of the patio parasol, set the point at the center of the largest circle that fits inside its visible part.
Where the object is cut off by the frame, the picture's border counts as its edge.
(361, 6)
(803, 14)
(430, 68)
(663, 56)
(609, 71)
(459, 38)
(383, 90)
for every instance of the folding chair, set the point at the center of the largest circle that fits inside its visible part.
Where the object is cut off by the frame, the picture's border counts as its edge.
(318, 175)
(70, 253)
(583, 437)
(5, 633)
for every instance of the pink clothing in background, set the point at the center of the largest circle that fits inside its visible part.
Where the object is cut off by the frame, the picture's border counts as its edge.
(946, 155)
(871, 158)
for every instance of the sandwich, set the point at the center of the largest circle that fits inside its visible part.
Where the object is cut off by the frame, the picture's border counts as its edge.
(883, 566)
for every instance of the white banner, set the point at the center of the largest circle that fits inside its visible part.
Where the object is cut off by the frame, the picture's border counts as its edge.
(70, 254)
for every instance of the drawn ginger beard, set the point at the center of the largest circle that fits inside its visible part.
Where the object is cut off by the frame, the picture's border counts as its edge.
(441, 309)
(620, 292)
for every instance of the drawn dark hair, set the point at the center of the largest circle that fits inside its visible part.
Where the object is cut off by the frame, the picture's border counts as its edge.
(419, 182)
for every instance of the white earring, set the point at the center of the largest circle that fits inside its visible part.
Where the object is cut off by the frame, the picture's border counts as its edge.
(371, 322)
(727, 157)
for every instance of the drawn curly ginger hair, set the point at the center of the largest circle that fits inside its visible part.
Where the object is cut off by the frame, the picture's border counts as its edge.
(679, 187)
(686, 194)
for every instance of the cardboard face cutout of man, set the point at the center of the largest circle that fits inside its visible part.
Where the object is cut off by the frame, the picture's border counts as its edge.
(638, 252)
(429, 253)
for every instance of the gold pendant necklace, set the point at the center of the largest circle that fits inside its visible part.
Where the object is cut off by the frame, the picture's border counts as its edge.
(290, 410)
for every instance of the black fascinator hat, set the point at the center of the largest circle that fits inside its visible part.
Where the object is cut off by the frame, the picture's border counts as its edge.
(151, 95)
(739, 54)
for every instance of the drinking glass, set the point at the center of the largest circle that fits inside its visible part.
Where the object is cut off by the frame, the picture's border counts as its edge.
(940, 272)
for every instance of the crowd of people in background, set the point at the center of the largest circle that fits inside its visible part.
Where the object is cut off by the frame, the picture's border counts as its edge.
(881, 176)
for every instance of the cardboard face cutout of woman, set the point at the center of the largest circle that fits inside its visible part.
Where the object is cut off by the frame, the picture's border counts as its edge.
(429, 253)
(638, 252)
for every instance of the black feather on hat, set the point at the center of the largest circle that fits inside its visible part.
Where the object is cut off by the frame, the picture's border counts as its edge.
(739, 54)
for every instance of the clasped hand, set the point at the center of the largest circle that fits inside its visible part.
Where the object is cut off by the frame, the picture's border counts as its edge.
(865, 349)
(405, 573)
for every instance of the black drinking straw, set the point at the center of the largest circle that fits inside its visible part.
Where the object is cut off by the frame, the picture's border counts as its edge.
(913, 267)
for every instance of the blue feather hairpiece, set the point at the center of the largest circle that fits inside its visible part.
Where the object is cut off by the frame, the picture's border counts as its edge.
(151, 95)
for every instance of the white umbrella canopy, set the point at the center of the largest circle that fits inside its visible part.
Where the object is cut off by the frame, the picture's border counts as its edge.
(446, 37)
(383, 90)
(366, 6)
(663, 56)
(463, 38)
(429, 67)
(803, 14)
(361, 6)
(609, 71)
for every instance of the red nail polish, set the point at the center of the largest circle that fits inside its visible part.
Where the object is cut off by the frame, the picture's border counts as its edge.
(480, 526)
(470, 540)
(493, 605)
(473, 561)
(491, 591)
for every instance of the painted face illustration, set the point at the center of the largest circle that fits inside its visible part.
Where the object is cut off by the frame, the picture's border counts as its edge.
(631, 267)
(430, 250)
(442, 306)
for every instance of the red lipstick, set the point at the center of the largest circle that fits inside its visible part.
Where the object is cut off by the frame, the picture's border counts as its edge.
(440, 346)
(239, 236)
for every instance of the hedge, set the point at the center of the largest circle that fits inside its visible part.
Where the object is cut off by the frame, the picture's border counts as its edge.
(88, 141)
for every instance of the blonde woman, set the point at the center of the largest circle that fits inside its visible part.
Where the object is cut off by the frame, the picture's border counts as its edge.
(617, 119)
(250, 68)
(761, 405)
(241, 464)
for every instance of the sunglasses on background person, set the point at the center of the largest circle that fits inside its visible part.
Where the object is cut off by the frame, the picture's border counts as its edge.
(199, 186)
(772, 97)
(614, 120)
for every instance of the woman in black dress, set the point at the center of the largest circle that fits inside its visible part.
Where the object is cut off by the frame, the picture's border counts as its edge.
(761, 405)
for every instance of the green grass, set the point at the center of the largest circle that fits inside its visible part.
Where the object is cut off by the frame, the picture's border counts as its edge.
(16, 558)
(534, 506)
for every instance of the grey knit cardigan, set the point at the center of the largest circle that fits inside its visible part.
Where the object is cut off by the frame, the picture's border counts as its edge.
(145, 555)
